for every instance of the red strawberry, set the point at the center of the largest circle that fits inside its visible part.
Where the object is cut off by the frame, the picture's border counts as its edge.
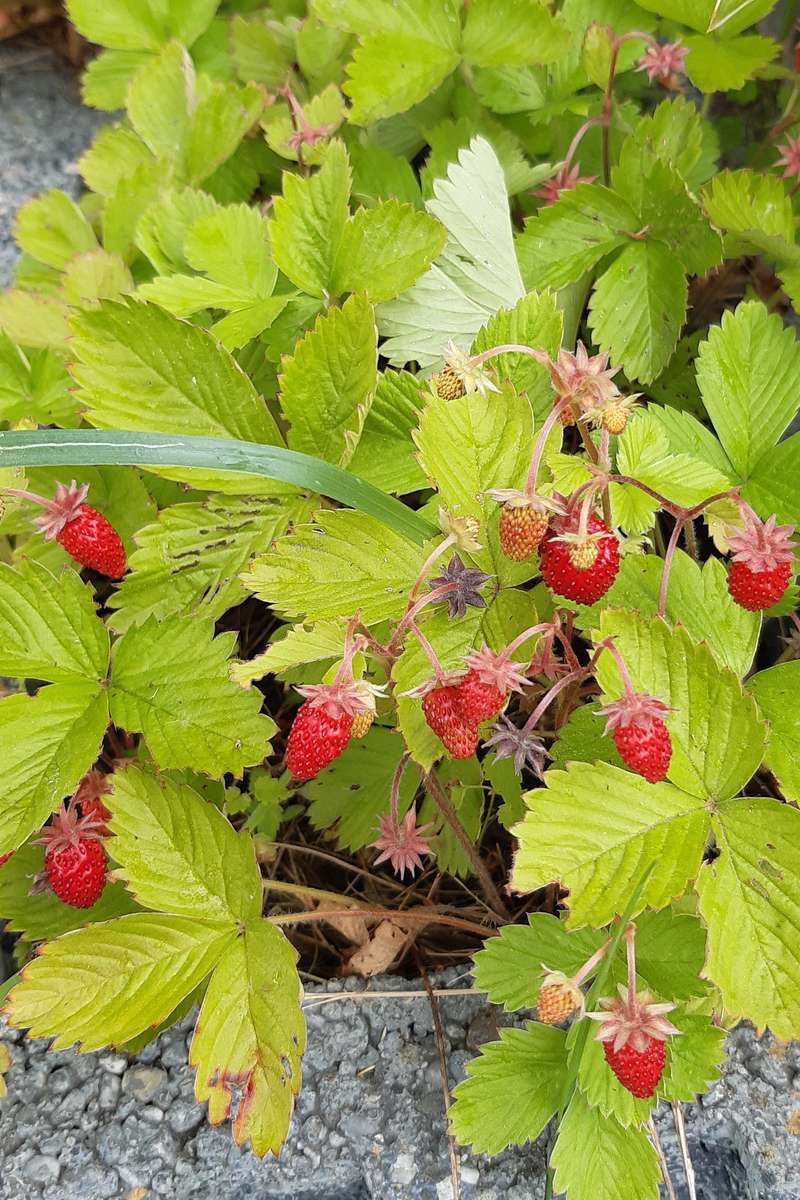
(5, 857)
(316, 739)
(84, 533)
(579, 569)
(442, 710)
(646, 749)
(639, 1073)
(521, 529)
(757, 590)
(75, 861)
(478, 700)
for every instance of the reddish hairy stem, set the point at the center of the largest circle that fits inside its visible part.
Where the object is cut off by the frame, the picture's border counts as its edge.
(538, 449)
(665, 570)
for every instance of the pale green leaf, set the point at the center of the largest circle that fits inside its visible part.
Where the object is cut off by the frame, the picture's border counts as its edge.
(750, 902)
(251, 1033)
(224, 114)
(160, 101)
(324, 111)
(162, 229)
(328, 384)
(107, 77)
(140, 368)
(49, 628)
(96, 276)
(184, 295)
(309, 221)
(345, 562)
(512, 1089)
(384, 249)
(125, 975)
(243, 324)
(385, 452)
(727, 16)
(302, 645)
(190, 560)
(670, 953)
(693, 1059)
(258, 54)
(509, 967)
(717, 736)
(389, 75)
(30, 319)
(614, 1163)
(52, 229)
(755, 208)
(646, 454)
(749, 376)
(47, 742)
(170, 682)
(177, 853)
(638, 308)
(512, 33)
(776, 691)
(595, 829)
(601, 1088)
(535, 321)
(581, 739)
(231, 245)
(141, 24)
(566, 239)
(725, 65)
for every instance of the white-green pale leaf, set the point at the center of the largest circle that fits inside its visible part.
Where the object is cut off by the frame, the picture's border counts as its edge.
(49, 628)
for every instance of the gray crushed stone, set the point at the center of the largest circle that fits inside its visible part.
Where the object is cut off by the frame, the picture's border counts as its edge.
(369, 1123)
(43, 132)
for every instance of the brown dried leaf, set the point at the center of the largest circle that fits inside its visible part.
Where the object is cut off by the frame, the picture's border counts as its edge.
(385, 945)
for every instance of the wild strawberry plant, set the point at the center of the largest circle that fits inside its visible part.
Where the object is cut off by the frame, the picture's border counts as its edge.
(395, 450)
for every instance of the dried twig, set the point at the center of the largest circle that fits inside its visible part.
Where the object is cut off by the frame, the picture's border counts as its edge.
(455, 1174)
(662, 1162)
(442, 801)
(680, 1129)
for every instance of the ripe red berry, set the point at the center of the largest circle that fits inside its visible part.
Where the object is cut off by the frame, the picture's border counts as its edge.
(316, 739)
(646, 749)
(442, 710)
(521, 529)
(757, 590)
(5, 857)
(561, 564)
(478, 700)
(638, 1072)
(77, 872)
(93, 542)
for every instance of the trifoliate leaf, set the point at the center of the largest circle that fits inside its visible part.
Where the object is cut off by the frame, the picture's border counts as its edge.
(140, 368)
(384, 249)
(534, 321)
(594, 828)
(43, 916)
(776, 691)
(385, 454)
(512, 33)
(49, 628)
(725, 65)
(328, 384)
(566, 239)
(251, 1031)
(614, 1162)
(126, 974)
(47, 742)
(52, 229)
(190, 560)
(170, 682)
(476, 275)
(512, 1090)
(345, 562)
(177, 853)
(162, 230)
(750, 902)
(716, 733)
(693, 1059)
(509, 967)
(309, 221)
(749, 376)
(353, 792)
(638, 308)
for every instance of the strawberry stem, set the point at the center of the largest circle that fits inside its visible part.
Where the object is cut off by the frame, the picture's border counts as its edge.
(665, 570)
(630, 950)
(394, 794)
(433, 557)
(609, 645)
(538, 449)
(430, 654)
(591, 963)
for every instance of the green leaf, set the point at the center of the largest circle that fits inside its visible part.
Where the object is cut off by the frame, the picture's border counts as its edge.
(512, 1090)
(251, 1033)
(646, 454)
(52, 229)
(345, 562)
(536, 321)
(385, 452)
(125, 975)
(749, 376)
(231, 245)
(715, 65)
(717, 736)
(776, 691)
(384, 249)
(594, 828)
(757, 208)
(214, 455)
(582, 739)
(352, 794)
(258, 53)
(309, 222)
(566, 239)
(33, 320)
(170, 682)
(674, 134)
(48, 626)
(601, 1088)
(727, 16)
(512, 33)
(138, 368)
(380, 175)
(96, 276)
(750, 902)
(638, 308)
(693, 1059)
(34, 386)
(468, 446)
(302, 645)
(614, 1161)
(328, 383)
(144, 24)
(160, 100)
(177, 853)
(190, 560)
(44, 916)
(223, 116)
(476, 275)
(106, 79)
(509, 967)
(774, 486)
(324, 111)
(670, 953)
(163, 228)
(47, 742)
